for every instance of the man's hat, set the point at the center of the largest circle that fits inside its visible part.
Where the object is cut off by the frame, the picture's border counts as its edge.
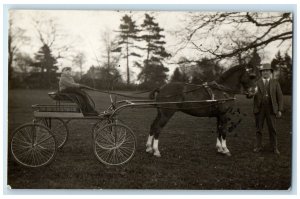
(265, 67)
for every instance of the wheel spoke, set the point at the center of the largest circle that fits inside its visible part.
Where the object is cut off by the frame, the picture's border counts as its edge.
(106, 137)
(44, 140)
(28, 135)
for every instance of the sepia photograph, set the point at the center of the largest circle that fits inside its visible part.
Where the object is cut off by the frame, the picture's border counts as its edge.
(150, 99)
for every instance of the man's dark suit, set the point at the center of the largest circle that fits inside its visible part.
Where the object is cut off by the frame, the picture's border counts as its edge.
(268, 100)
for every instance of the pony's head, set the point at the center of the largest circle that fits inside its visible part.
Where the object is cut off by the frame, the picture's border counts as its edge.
(248, 80)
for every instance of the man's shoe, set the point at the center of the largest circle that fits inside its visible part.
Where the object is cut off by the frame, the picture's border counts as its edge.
(257, 149)
(276, 151)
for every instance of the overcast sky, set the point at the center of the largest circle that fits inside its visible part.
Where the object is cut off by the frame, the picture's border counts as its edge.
(84, 29)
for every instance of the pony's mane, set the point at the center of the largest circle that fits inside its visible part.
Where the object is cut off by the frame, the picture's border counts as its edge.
(229, 72)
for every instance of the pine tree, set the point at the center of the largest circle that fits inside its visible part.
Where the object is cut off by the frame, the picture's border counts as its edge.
(277, 61)
(283, 71)
(255, 59)
(128, 35)
(177, 76)
(289, 65)
(47, 64)
(153, 70)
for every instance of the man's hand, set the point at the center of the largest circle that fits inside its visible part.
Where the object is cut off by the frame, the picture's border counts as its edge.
(278, 114)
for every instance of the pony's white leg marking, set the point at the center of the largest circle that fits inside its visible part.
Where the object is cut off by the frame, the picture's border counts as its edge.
(219, 146)
(225, 149)
(149, 148)
(155, 148)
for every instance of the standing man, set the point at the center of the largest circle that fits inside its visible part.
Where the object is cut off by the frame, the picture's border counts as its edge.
(268, 105)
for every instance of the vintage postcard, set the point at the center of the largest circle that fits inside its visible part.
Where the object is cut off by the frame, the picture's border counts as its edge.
(159, 100)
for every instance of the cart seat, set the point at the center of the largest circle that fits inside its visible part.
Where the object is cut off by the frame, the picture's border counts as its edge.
(58, 96)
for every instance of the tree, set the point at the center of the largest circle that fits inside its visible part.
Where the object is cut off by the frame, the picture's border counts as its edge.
(49, 33)
(111, 60)
(255, 59)
(177, 76)
(208, 32)
(187, 69)
(16, 37)
(23, 62)
(47, 64)
(283, 71)
(101, 77)
(51, 51)
(153, 71)
(209, 71)
(241, 58)
(154, 74)
(289, 65)
(79, 60)
(128, 35)
(277, 61)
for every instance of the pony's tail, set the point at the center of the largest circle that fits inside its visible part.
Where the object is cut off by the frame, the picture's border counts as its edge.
(152, 94)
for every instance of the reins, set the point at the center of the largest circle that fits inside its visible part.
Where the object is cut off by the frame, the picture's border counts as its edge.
(204, 103)
(115, 93)
(213, 85)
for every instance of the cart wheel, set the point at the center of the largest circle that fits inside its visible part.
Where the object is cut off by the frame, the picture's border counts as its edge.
(59, 129)
(103, 122)
(114, 144)
(33, 145)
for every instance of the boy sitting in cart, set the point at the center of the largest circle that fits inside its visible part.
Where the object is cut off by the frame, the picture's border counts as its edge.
(69, 86)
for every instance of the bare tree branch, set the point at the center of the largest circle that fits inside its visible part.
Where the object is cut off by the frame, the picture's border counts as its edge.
(213, 33)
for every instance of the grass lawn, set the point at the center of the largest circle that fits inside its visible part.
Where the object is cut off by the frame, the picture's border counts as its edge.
(187, 144)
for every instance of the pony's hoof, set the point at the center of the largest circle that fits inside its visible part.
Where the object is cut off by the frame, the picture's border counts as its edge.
(220, 151)
(157, 154)
(149, 150)
(227, 154)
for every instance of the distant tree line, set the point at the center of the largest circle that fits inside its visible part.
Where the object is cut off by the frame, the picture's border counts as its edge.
(41, 71)
(143, 46)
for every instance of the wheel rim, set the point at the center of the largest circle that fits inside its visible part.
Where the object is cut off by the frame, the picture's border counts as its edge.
(58, 128)
(114, 144)
(33, 145)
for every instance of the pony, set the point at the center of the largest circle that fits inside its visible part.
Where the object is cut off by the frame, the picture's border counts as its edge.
(212, 99)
